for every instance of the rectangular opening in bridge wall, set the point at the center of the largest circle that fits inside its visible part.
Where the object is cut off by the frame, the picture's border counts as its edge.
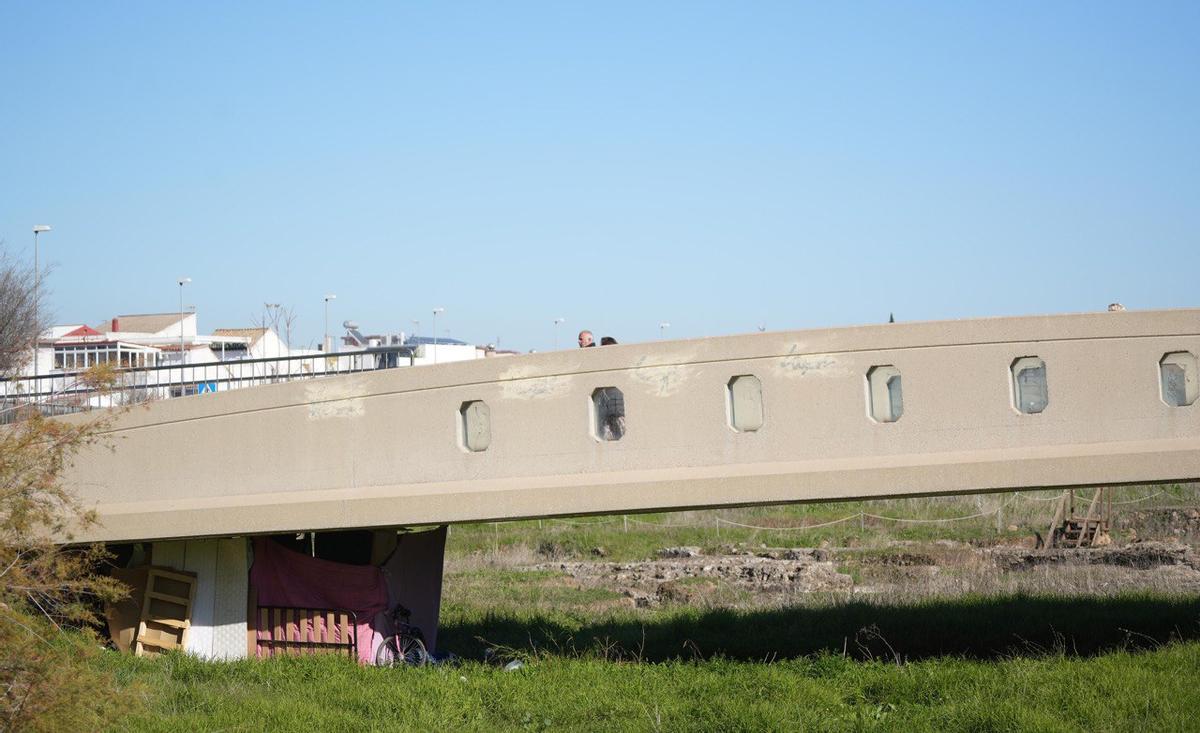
(886, 395)
(1177, 373)
(1030, 392)
(608, 414)
(475, 426)
(745, 403)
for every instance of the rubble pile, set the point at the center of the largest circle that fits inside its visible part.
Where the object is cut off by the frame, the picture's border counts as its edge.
(683, 574)
(1140, 555)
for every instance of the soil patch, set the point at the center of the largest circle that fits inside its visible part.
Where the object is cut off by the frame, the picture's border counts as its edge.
(695, 579)
(739, 576)
(1140, 555)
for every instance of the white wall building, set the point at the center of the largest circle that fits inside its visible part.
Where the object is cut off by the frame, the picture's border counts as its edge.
(161, 355)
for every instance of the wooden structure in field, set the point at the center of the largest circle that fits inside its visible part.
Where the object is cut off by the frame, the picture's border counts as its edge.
(166, 612)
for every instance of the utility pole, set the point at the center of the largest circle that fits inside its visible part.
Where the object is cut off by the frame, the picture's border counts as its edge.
(182, 281)
(325, 346)
(37, 282)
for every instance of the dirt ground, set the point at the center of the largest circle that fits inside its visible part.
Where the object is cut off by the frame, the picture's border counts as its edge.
(770, 576)
(1155, 550)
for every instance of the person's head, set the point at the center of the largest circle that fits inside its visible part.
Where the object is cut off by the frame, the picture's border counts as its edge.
(608, 341)
(586, 339)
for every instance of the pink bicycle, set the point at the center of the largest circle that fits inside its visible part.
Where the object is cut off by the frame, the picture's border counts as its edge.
(404, 647)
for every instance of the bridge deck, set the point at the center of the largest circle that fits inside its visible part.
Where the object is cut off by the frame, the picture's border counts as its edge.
(395, 447)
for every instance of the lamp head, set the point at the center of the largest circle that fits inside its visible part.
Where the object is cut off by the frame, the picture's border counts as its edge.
(39, 228)
(184, 281)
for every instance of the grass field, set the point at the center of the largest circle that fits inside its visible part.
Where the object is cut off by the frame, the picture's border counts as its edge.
(1056, 658)
(968, 627)
(1117, 691)
(1008, 517)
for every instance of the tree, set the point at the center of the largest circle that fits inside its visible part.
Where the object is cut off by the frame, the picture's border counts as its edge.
(49, 589)
(18, 314)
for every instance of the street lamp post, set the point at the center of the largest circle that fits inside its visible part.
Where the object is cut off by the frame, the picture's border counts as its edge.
(557, 321)
(37, 282)
(662, 330)
(326, 344)
(182, 281)
(436, 311)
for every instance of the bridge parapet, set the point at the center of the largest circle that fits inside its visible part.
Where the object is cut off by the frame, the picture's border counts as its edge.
(889, 410)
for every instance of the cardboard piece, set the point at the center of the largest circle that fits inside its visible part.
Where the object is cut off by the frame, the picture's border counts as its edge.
(124, 616)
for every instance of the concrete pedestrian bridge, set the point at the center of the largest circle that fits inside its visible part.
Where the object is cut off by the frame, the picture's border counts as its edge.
(822, 415)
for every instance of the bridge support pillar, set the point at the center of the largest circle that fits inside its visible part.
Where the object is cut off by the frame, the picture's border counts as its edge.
(412, 566)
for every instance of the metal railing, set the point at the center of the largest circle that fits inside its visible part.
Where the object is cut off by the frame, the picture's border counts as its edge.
(60, 393)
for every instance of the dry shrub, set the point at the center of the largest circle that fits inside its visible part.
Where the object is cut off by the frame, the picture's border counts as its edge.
(49, 589)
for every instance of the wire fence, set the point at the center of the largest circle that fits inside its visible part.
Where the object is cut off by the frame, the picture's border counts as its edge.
(859, 516)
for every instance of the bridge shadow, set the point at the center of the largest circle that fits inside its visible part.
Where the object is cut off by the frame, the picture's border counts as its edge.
(977, 628)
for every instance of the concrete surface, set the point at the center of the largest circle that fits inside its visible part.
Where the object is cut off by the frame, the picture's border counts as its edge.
(388, 448)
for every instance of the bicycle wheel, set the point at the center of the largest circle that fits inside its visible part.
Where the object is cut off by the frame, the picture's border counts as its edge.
(412, 650)
(396, 651)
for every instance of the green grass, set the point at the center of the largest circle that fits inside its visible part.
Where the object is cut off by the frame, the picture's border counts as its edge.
(638, 537)
(525, 589)
(980, 627)
(1118, 691)
(978, 664)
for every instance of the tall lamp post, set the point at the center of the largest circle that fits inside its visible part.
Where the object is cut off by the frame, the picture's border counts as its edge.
(435, 312)
(182, 281)
(662, 330)
(416, 329)
(326, 344)
(557, 321)
(37, 282)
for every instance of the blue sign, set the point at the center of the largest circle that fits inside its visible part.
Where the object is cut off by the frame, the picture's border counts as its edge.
(206, 387)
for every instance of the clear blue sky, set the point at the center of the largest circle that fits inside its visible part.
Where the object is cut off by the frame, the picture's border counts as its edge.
(715, 165)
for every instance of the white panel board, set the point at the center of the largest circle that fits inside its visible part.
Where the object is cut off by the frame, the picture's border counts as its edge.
(229, 608)
(168, 554)
(200, 557)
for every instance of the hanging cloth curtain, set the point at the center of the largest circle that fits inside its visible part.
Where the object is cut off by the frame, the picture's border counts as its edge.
(282, 577)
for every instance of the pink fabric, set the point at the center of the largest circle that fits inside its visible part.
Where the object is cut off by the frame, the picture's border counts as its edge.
(282, 577)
